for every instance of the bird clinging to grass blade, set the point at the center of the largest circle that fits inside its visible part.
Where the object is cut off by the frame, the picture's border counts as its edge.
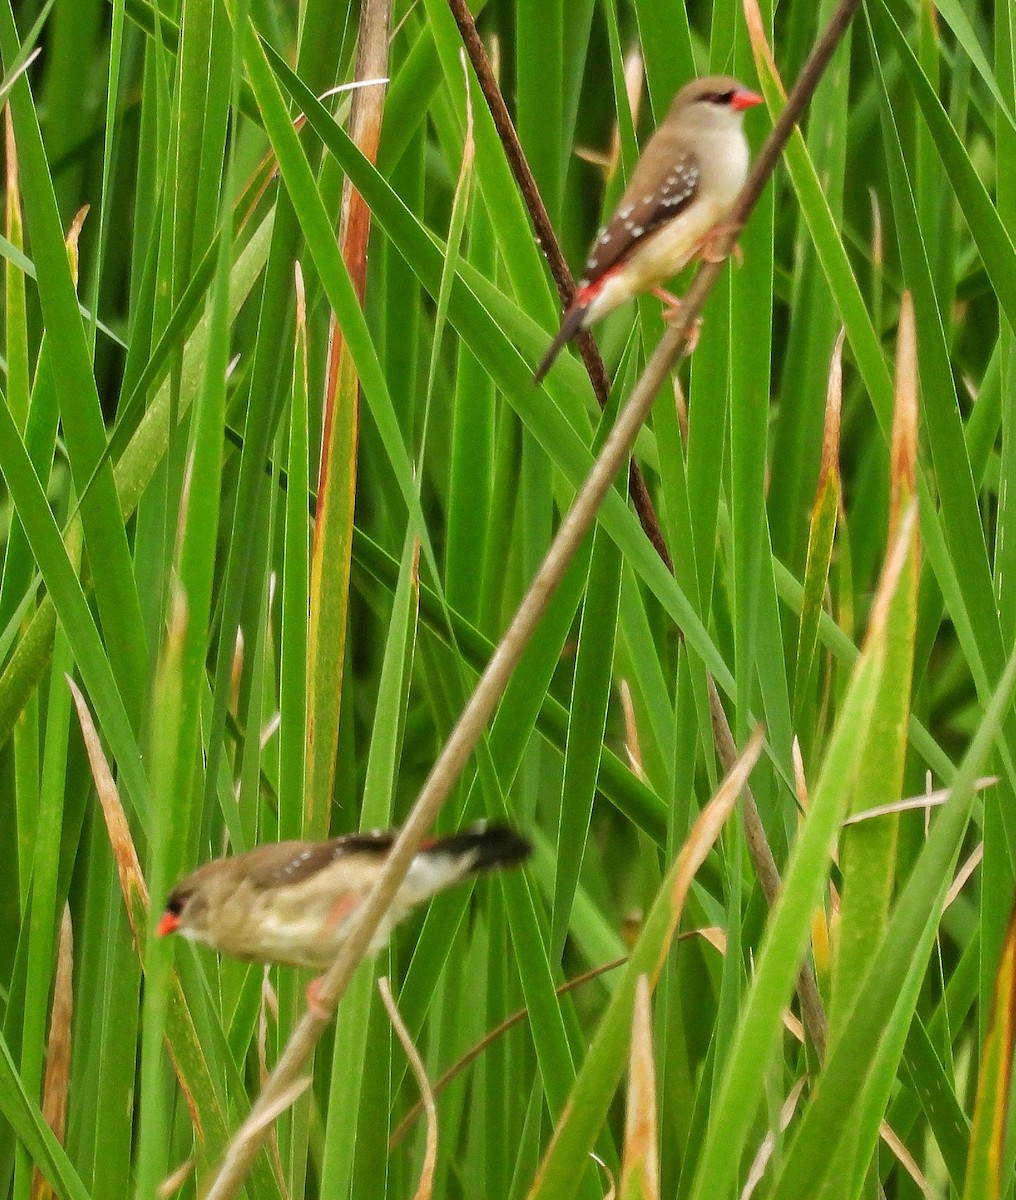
(681, 192)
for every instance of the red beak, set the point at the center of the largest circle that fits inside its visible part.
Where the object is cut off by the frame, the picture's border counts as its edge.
(744, 99)
(169, 924)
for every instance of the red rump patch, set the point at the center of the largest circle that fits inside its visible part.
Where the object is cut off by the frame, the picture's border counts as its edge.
(586, 295)
(169, 924)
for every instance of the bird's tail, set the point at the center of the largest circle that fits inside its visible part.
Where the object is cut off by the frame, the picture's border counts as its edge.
(571, 323)
(485, 847)
(446, 860)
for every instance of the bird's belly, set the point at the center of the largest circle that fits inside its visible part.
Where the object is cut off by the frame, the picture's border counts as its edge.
(307, 933)
(656, 259)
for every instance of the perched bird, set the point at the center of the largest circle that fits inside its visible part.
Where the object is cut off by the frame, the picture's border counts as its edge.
(292, 902)
(680, 193)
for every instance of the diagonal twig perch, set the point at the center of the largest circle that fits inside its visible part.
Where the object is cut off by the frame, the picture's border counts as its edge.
(490, 687)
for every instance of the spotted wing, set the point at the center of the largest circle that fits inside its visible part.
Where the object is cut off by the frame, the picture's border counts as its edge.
(656, 194)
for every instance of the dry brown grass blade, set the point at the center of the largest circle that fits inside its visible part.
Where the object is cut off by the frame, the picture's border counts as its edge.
(336, 486)
(72, 239)
(703, 836)
(56, 1083)
(877, 239)
(927, 800)
(58, 1052)
(425, 1188)
(132, 881)
(906, 1160)
(608, 160)
(963, 874)
(903, 457)
(834, 403)
(800, 779)
(640, 1169)
(760, 43)
(20, 71)
(765, 1150)
(631, 731)
(611, 1192)
(365, 117)
(176, 1178)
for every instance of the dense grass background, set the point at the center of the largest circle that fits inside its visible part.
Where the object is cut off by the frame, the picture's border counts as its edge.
(167, 378)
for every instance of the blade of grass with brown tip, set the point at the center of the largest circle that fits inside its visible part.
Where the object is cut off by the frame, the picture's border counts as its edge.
(868, 851)
(821, 532)
(564, 1163)
(640, 1171)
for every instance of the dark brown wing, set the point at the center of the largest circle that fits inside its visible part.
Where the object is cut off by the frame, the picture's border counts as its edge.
(276, 865)
(664, 184)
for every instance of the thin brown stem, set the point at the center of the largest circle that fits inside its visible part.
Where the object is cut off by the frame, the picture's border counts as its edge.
(547, 239)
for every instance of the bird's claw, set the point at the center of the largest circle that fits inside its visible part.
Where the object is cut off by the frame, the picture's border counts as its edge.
(671, 312)
(314, 1004)
(671, 304)
(691, 340)
(708, 252)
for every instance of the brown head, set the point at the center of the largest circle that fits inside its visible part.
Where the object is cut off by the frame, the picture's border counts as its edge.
(713, 101)
(197, 900)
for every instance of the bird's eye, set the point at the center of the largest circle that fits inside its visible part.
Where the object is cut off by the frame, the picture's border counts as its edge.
(177, 902)
(724, 98)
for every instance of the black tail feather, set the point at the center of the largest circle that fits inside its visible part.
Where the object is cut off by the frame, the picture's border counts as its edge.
(489, 847)
(571, 323)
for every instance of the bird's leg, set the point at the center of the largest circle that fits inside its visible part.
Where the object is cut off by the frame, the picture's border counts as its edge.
(707, 248)
(342, 908)
(313, 999)
(670, 303)
(672, 307)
